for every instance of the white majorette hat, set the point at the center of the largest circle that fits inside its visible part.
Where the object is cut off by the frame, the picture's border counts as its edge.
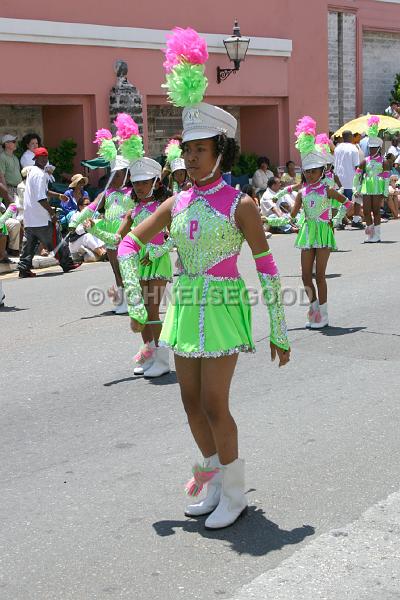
(313, 160)
(177, 164)
(145, 168)
(375, 142)
(204, 121)
(119, 163)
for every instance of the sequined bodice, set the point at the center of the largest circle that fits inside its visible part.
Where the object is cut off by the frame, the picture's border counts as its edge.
(373, 166)
(203, 227)
(142, 211)
(316, 204)
(118, 203)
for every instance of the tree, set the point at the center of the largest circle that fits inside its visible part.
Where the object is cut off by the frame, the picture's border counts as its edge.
(395, 93)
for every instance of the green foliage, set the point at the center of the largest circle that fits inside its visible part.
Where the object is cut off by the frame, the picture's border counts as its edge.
(395, 93)
(62, 157)
(246, 165)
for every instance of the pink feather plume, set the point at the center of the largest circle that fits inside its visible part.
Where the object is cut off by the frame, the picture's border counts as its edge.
(373, 120)
(184, 45)
(126, 126)
(322, 138)
(102, 134)
(306, 125)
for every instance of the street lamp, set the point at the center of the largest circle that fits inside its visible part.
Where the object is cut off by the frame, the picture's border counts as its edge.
(236, 47)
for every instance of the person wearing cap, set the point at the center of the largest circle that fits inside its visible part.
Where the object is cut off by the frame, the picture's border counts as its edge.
(372, 181)
(40, 219)
(178, 180)
(154, 270)
(208, 322)
(9, 163)
(316, 238)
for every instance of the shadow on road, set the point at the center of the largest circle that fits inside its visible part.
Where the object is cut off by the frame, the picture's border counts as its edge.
(252, 534)
(107, 313)
(337, 331)
(168, 379)
(11, 309)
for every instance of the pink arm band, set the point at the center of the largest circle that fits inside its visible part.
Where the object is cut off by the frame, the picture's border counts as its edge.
(265, 263)
(384, 175)
(129, 245)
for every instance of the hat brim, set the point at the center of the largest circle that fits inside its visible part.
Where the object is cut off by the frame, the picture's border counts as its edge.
(199, 134)
(143, 177)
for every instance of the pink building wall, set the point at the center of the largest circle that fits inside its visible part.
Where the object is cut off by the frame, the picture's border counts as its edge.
(273, 92)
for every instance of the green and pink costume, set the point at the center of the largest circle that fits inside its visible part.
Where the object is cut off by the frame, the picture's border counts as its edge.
(372, 180)
(316, 230)
(209, 314)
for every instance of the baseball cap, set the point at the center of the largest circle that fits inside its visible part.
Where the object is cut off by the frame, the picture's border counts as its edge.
(8, 138)
(40, 152)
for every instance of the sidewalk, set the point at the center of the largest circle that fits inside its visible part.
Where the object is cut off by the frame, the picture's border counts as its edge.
(39, 262)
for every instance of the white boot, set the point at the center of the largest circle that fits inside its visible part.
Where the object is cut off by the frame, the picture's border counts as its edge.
(312, 312)
(160, 365)
(375, 235)
(144, 359)
(233, 501)
(323, 320)
(370, 233)
(122, 307)
(211, 500)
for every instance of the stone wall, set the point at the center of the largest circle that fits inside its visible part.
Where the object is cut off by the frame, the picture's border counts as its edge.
(341, 68)
(19, 120)
(166, 121)
(125, 98)
(381, 62)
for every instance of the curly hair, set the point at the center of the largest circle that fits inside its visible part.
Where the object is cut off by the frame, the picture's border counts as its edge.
(28, 138)
(225, 146)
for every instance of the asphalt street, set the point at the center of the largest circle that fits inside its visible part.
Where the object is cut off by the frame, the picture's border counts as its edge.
(93, 461)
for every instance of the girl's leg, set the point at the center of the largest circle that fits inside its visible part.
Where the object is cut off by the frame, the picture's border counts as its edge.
(376, 202)
(322, 257)
(307, 263)
(153, 297)
(112, 257)
(393, 206)
(216, 377)
(188, 372)
(147, 332)
(367, 209)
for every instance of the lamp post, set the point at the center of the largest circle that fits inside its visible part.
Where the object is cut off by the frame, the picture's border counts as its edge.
(236, 47)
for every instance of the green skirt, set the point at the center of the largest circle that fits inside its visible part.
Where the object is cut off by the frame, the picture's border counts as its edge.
(316, 234)
(208, 317)
(160, 268)
(373, 186)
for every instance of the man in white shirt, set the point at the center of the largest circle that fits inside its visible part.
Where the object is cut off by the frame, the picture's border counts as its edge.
(40, 221)
(394, 148)
(347, 160)
(268, 207)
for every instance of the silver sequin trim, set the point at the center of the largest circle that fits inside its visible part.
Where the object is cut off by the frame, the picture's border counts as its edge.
(217, 354)
(201, 314)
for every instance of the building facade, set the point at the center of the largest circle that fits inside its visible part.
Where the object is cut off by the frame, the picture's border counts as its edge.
(332, 61)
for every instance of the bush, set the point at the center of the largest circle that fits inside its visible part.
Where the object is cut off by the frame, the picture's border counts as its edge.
(246, 165)
(63, 156)
(395, 93)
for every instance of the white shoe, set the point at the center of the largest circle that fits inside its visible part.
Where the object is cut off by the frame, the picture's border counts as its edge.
(233, 500)
(211, 500)
(122, 307)
(160, 365)
(312, 312)
(321, 319)
(378, 233)
(144, 359)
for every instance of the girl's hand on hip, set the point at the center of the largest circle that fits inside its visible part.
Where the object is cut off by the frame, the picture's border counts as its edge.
(283, 355)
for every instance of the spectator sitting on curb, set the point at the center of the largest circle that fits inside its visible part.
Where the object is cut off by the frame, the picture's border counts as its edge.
(270, 211)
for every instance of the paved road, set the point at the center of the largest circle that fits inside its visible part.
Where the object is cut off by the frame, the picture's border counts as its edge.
(93, 461)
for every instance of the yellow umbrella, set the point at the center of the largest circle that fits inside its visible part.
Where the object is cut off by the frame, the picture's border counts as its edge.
(360, 125)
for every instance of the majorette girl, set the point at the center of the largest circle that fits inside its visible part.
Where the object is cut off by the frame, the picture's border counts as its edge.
(372, 181)
(208, 224)
(316, 238)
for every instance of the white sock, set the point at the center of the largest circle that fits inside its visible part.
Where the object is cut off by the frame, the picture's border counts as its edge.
(356, 219)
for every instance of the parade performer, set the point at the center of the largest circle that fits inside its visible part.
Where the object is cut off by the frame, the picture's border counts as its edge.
(115, 201)
(316, 237)
(154, 270)
(208, 321)
(372, 181)
(179, 180)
